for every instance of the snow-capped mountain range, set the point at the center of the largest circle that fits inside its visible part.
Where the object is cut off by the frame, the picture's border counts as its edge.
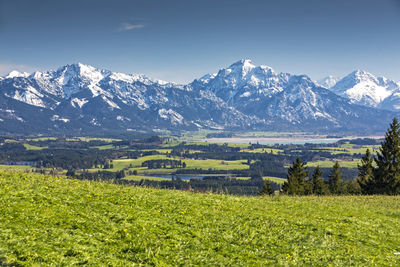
(78, 98)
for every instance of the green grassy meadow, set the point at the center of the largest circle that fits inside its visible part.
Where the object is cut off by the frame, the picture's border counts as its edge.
(120, 164)
(47, 220)
(330, 163)
(32, 147)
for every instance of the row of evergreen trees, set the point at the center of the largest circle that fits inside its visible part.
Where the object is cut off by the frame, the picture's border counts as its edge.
(376, 175)
(299, 183)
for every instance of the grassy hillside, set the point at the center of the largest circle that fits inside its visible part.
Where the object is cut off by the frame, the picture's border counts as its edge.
(45, 220)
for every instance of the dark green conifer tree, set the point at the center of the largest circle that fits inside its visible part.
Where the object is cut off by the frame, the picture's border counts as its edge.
(334, 179)
(387, 175)
(267, 188)
(296, 179)
(318, 184)
(366, 174)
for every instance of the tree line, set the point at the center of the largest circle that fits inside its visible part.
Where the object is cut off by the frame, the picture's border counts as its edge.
(163, 163)
(378, 174)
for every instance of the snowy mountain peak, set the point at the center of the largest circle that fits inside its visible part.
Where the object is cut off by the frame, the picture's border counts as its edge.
(37, 75)
(245, 69)
(328, 82)
(361, 75)
(241, 68)
(243, 80)
(86, 71)
(364, 88)
(243, 63)
(15, 73)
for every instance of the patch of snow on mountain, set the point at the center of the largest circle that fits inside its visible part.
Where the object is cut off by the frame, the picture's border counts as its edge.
(173, 116)
(91, 73)
(76, 102)
(131, 78)
(122, 118)
(110, 103)
(368, 88)
(245, 94)
(58, 118)
(128, 78)
(206, 78)
(20, 119)
(30, 96)
(95, 122)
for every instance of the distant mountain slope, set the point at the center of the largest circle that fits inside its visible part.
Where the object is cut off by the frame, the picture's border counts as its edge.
(328, 82)
(82, 99)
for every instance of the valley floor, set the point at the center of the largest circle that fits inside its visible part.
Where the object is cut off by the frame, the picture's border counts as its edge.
(56, 221)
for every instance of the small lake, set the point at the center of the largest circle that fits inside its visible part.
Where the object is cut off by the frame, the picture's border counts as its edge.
(300, 142)
(185, 177)
(282, 140)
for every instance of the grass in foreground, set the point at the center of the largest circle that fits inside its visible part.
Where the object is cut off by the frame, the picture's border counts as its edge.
(19, 168)
(55, 221)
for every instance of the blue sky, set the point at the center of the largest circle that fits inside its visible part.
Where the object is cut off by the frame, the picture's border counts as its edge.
(182, 40)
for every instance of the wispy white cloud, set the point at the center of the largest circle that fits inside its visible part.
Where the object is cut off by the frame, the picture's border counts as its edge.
(126, 26)
(6, 68)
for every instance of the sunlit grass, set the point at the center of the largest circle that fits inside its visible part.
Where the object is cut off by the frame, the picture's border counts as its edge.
(56, 221)
(120, 164)
(330, 163)
(31, 147)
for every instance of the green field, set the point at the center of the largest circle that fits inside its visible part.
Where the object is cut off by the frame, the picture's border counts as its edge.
(31, 147)
(120, 164)
(275, 179)
(41, 139)
(104, 147)
(330, 163)
(56, 221)
(349, 149)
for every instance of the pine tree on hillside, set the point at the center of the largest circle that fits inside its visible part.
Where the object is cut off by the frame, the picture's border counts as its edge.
(317, 182)
(296, 179)
(334, 179)
(366, 173)
(387, 176)
(267, 188)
